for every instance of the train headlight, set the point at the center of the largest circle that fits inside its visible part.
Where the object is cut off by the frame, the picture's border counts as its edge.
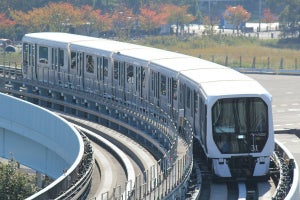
(261, 160)
(222, 161)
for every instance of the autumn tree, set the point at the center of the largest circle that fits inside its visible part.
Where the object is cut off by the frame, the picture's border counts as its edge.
(236, 15)
(210, 23)
(93, 20)
(6, 28)
(178, 15)
(123, 21)
(62, 17)
(151, 19)
(269, 17)
(53, 17)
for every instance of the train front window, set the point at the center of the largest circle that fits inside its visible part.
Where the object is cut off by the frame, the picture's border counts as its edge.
(240, 125)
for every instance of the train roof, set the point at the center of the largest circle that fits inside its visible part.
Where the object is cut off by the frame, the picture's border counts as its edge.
(214, 79)
(56, 39)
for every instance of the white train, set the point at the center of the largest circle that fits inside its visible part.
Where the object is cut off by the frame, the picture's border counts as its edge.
(231, 114)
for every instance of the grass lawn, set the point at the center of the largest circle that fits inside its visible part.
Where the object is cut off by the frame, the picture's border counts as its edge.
(234, 52)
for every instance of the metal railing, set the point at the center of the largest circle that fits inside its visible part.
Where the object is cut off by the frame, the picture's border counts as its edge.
(288, 180)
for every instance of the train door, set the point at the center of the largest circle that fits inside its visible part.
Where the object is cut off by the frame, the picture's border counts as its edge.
(80, 69)
(181, 103)
(130, 81)
(163, 98)
(54, 64)
(29, 61)
(121, 86)
(188, 105)
(34, 61)
(57, 65)
(90, 72)
(44, 61)
(118, 79)
(196, 114)
(106, 75)
(203, 122)
(101, 76)
(76, 69)
(140, 81)
(174, 97)
(154, 92)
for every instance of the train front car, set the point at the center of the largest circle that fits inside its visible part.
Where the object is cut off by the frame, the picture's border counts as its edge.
(240, 137)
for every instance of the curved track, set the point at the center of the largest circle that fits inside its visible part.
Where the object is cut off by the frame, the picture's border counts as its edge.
(111, 176)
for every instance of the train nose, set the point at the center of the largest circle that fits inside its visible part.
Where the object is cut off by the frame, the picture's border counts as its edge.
(241, 166)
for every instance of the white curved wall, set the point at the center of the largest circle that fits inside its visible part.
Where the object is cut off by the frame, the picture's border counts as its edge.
(37, 138)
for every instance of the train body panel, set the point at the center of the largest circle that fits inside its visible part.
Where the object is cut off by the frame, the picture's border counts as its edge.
(222, 105)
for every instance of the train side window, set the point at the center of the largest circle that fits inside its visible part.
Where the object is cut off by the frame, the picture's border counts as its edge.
(90, 64)
(73, 60)
(130, 75)
(105, 67)
(163, 85)
(43, 55)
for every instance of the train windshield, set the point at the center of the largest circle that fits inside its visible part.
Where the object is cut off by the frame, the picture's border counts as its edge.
(240, 125)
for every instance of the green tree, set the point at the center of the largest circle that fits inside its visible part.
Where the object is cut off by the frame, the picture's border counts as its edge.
(275, 6)
(15, 184)
(290, 18)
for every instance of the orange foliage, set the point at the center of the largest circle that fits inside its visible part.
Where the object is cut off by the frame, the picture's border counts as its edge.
(123, 21)
(236, 15)
(150, 19)
(5, 22)
(268, 16)
(64, 17)
(176, 14)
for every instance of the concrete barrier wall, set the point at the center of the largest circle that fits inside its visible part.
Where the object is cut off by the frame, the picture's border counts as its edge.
(37, 138)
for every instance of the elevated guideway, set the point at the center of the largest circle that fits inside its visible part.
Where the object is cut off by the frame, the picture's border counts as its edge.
(37, 138)
(128, 119)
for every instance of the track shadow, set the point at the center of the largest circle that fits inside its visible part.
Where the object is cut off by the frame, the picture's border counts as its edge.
(289, 131)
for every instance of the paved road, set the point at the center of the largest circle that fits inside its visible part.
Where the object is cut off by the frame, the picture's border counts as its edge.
(285, 90)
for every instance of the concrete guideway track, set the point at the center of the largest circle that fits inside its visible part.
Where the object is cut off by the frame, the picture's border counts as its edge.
(131, 150)
(111, 172)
